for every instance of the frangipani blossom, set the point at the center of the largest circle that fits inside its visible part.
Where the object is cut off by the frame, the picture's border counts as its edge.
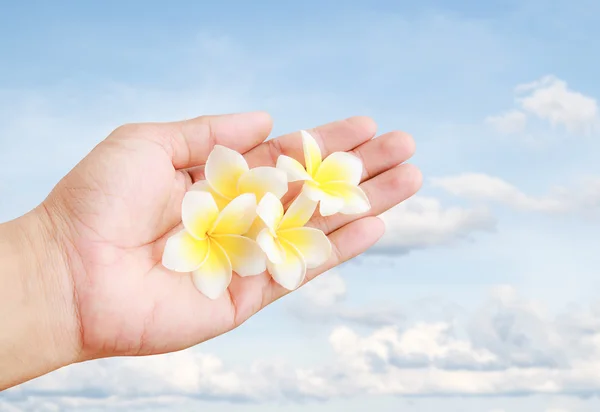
(211, 246)
(290, 247)
(333, 182)
(228, 175)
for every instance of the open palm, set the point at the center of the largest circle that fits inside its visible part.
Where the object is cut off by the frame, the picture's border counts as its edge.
(117, 208)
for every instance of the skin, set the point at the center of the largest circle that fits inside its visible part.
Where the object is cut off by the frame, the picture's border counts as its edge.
(80, 275)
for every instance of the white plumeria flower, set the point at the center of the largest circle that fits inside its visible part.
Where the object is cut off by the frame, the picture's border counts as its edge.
(333, 182)
(211, 246)
(228, 176)
(290, 247)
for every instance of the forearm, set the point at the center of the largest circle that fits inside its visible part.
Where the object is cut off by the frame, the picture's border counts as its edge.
(38, 330)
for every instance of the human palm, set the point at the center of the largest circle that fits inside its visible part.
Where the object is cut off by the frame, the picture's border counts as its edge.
(119, 205)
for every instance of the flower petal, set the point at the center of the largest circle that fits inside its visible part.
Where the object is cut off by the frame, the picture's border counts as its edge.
(294, 169)
(214, 276)
(223, 169)
(270, 246)
(237, 217)
(312, 190)
(355, 200)
(257, 226)
(203, 186)
(312, 153)
(310, 242)
(198, 213)
(246, 257)
(270, 210)
(299, 212)
(184, 253)
(291, 272)
(340, 166)
(330, 203)
(261, 180)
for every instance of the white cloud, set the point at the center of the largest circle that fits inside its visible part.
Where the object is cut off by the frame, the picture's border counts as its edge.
(326, 290)
(510, 122)
(510, 346)
(549, 99)
(479, 186)
(322, 300)
(420, 346)
(584, 197)
(422, 222)
(517, 331)
(188, 374)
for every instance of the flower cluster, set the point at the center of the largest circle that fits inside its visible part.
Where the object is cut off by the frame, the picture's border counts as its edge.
(234, 221)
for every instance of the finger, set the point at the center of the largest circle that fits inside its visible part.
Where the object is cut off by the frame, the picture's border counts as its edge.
(377, 155)
(189, 142)
(384, 192)
(342, 135)
(384, 152)
(348, 242)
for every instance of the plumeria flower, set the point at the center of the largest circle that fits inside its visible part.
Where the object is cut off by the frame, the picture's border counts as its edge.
(333, 182)
(290, 247)
(228, 176)
(211, 246)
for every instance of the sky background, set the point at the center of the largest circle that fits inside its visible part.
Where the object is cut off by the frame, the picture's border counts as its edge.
(484, 295)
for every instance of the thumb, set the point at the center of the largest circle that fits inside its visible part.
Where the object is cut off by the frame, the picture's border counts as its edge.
(189, 142)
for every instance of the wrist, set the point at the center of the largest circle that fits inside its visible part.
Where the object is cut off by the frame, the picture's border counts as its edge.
(41, 319)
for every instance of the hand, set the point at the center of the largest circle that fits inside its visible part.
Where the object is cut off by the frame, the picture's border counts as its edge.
(111, 216)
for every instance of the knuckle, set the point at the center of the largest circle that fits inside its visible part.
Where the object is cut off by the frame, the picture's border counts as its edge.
(399, 143)
(397, 180)
(407, 177)
(337, 253)
(274, 149)
(366, 173)
(127, 129)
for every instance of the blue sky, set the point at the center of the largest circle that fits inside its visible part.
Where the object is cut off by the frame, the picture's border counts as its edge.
(484, 295)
